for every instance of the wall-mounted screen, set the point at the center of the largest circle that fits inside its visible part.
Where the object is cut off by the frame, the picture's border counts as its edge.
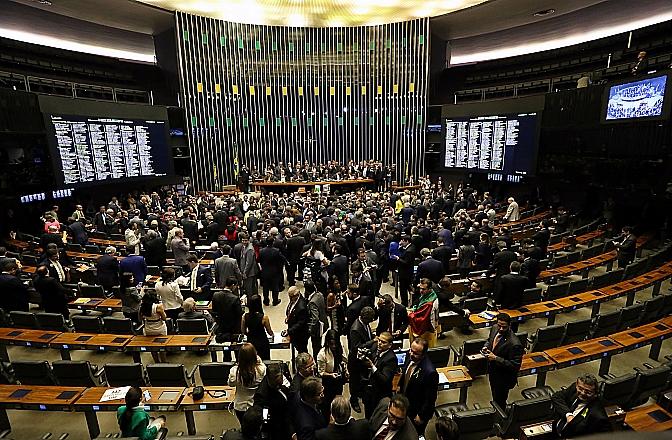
(505, 144)
(645, 98)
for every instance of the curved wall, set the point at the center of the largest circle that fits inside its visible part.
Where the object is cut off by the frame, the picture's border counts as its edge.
(264, 94)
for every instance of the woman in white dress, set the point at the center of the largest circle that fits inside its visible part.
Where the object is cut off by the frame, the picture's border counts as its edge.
(153, 316)
(246, 377)
(169, 292)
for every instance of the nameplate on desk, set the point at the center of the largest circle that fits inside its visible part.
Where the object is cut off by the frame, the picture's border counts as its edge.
(119, 340)
(636, 335)
(538, 358)
(533, 431)
(47, 335)
(575, 350)
(608, 343)
(14, 333)
(202, 406)
(660, 327)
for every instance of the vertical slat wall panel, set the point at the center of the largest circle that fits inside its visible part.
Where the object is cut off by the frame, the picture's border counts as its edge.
(225, 69)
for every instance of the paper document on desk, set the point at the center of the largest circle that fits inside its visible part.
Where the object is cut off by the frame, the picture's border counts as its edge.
(82, 300)
(114, 394)
(442, 378)
(487, 315)
(446, 314)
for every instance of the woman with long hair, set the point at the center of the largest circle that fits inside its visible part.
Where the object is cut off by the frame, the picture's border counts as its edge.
(169, 292)
(130, 297)
(331, 367)
(336, 302)
(154, 317)
(257, 327)
(246, 377)
(133, 419)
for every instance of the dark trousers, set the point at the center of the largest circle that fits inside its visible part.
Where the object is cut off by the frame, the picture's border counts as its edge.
(404, 286)
(291, 272)
(300, 346)
(316, 342)
(250, 286)
(354, 369)
(274, 290)
(499, 392)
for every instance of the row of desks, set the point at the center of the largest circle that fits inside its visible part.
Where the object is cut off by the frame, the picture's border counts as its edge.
(136, 345)
(582, 239)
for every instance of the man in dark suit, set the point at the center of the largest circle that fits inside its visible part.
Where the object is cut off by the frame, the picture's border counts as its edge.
(271, 262)
(226, 267)
(362, 279)
(344, 427)
(578, 410)
(443, 253)
(107, 269)
(542, 237)
(358, 335)
(200, 279)
(135, 264)
(77, 231)
(357, 303)
(392, 317)
(14, 294)
(154, 249)
(57, 268)
(509, 293)
(227, 311)
(339, 265)
(501, 263)
(561, 221)
(380, 370)
(55, 297)
(419, 382)
(406, 264)
(297, 320)
(305, 414)
(627, 247)
(249, 267)
(429, 267)
(390, 420)
(293, 249)
(504, 353)
(274, 395)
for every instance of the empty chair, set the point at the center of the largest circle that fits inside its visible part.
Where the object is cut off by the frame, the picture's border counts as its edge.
(170, 375)
(119, 326)
(652, 309)
(475, 424)
(649, 383)
(618, 390)
(92, 249)
(559, 260)
(579, 285)
(601, 280)
(74, 247)
(215, 373)
(4, 319)
(573, 257)
(24, 320)
(605, 324)
(576, 331)
(520, 413)
(536, 392)
(476, 305)
(440, 356)
(121, 375)
(76, 374)
(531, 296)
(667, 305)
(555, 291)
(51, 321)
(91, 291)
(616, 276)
(469, 347)
(192, 326)
(30, 260)
(630, 316)
(117, 237)
(154, 271)
(87, 324)
(547, 337)
(34, 373)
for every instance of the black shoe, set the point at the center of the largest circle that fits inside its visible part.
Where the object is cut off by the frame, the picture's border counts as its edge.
(277, 301)
(267, 302)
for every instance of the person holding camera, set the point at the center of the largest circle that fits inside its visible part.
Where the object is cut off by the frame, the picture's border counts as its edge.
(273, 398)
(359, 334)
(379, 365)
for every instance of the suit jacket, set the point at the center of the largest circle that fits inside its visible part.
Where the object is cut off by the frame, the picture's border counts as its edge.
(271, 261)
(306, 419)
(379, 416)
(227, 311)
(509, 351)
(155, 252)
(13, 294)
(400, 320)
(180, 251)
(407, 262)
(294, 248)
(443, 254)
(541, 239)
(107, 268)
(627, 249)
(353, 430)
(591, 420)
(422, 388)
(512, 212)
(55, 297)
(317, 310)
(204, 281)
(226, 267)
(501, 263)
(135, 264)
(297, 321)
(353, 310)
(510, 290)
(340, 269)
(358, 336)
(78, 233)
(380, 381)
(530, 269)
(248, 262)
(278, 409)
(51, 238)
(430, 268)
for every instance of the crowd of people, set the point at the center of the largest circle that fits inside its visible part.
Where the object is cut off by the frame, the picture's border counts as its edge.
(342, 248)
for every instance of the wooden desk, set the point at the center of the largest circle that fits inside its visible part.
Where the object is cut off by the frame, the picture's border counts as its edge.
(598, 348)
(110, 305)
(106, 242)
(456, 377)
(215, 398)
(32, 397)
(654, 334)
(538, 363)
(543, 309)
(162, 399)
(27, 338)
(592, 297)
(85, 303)
(88, 341)
(537, 217)
(17, 244)
(270, 186)
(642, 419)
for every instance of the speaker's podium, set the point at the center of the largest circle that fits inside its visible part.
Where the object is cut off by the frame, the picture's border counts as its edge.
(537, 431)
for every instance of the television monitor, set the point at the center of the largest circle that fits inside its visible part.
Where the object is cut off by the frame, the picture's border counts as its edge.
(93, 143)
(642, 99)
(501, 145)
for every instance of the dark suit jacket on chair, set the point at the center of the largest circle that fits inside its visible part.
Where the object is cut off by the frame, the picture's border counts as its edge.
(14, 294)
(379, 416)
(353, 430)
(592, 419)
(509, 352)
(421, 390)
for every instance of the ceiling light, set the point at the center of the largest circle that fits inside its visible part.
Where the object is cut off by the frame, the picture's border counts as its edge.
(544, 12)
(42, 2)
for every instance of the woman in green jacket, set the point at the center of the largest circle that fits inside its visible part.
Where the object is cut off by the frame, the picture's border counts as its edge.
(133, 420)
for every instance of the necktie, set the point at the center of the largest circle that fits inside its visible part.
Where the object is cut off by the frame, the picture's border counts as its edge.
(383, 433)
(409, 373)
(495, 343)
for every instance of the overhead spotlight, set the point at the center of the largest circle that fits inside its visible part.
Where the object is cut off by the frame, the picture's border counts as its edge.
(544, 12)
(42, 2)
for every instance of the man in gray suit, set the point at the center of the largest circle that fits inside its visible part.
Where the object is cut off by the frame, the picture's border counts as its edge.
(180, 249)
(226, 267)
(390, 422)
(248, 266)
(317, 312)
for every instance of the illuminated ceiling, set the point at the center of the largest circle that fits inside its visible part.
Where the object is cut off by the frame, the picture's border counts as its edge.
(316, 13)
